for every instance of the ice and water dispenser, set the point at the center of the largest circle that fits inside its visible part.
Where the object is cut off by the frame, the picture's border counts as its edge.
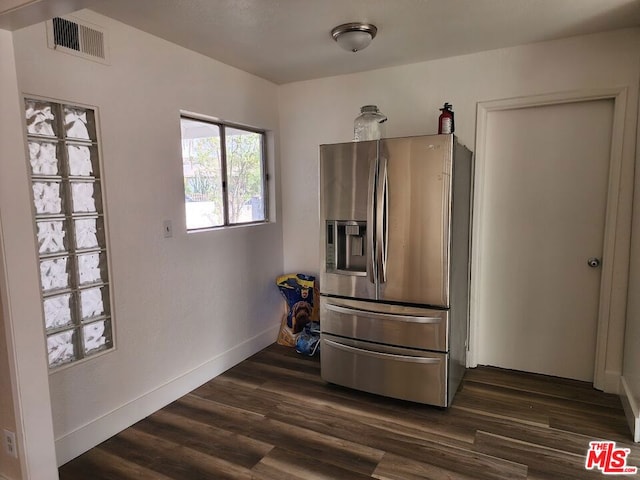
(346, 247)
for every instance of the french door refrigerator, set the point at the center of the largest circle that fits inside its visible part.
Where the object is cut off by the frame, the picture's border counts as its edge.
(394, 276)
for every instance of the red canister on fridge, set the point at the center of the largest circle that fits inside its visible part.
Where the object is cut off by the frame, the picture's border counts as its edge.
(445, 120)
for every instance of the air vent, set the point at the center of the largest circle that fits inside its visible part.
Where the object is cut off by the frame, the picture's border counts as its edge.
(77, 38)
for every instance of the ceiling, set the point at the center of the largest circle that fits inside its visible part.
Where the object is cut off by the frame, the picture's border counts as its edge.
(289, 40)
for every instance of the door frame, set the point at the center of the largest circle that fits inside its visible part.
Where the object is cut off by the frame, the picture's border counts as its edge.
(615, 256)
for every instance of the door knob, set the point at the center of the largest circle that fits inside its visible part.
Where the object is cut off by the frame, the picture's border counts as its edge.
(593, 262)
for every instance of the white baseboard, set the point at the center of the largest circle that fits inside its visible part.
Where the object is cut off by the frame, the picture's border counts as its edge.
(88, 436)
(631, 409)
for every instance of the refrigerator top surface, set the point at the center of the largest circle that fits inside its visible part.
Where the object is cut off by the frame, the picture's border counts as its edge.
(452, 136)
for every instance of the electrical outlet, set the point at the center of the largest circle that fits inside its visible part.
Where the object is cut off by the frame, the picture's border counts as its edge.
(10, 446)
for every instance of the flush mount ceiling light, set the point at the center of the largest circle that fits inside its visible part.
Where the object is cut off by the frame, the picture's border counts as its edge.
(354, 36)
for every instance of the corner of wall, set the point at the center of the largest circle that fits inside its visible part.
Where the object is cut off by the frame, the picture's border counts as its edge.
(611, 382)
(8, 465)
(631, 409)
(88, 436)
(19, 283)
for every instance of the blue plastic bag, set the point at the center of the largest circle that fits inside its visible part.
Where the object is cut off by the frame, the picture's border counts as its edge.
(308, 342)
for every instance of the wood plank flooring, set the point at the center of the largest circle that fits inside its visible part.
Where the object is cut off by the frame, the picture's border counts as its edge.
(273, 418)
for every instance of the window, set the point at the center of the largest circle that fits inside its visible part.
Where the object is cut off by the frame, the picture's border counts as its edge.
(69, 218)
(224, 173)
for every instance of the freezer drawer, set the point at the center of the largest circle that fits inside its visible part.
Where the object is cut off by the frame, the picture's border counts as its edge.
(405, 375)
(383, 323)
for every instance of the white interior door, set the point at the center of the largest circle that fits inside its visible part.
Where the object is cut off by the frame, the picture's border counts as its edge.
(544, 204)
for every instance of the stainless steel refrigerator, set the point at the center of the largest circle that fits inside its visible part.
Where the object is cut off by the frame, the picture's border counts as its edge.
(394, 276)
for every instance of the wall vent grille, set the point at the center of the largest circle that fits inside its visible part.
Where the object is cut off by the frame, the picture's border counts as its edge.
(76, 38)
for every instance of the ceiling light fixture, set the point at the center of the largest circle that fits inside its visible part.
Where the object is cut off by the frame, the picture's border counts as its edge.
(354, 37)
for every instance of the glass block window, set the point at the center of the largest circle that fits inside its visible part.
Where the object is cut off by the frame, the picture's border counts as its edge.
(69, 219)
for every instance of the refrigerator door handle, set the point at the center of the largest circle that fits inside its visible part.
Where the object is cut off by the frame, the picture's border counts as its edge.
(382, 212)
(384, 316)
(371, 218)
(391, 356)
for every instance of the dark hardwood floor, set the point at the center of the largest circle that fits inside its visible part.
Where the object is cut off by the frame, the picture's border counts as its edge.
(272, 417)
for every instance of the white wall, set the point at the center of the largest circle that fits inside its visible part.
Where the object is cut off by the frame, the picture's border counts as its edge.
(322, 111)
(9, 466)
(631, 367)
(187, 307)
(23, 343)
